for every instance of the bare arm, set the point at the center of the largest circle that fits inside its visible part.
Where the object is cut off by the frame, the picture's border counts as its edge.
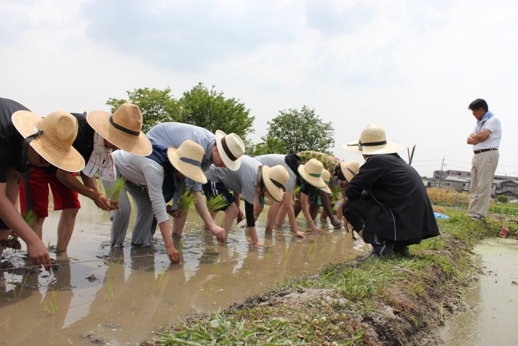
(288, 202)
(172, 253)
(88, 189)
(304, 204)
(478, 137)
(201, 208)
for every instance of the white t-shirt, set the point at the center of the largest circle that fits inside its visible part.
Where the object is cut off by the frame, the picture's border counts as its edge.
(493, 140)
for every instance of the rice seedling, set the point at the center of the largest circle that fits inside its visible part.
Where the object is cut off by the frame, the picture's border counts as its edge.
(29, 217)
(113, 191)
(13, 241)
(186, 201)
(50, 306)
(161, 278)
(22, 285)
(216, 203)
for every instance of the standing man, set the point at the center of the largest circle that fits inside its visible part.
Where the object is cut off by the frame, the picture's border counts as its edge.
(220, 149)
(387, 198)
(485, 139)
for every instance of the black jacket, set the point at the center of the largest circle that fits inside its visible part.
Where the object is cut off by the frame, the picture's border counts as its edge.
(402, 210)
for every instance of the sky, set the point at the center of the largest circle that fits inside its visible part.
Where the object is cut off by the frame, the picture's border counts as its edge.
(412, 67)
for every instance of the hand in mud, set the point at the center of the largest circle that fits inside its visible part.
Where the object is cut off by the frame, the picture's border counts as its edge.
(39, 255)
(300, 234)
(173, 254)
(173, 213)
(103, 202)
(258, 244)
(219, 232)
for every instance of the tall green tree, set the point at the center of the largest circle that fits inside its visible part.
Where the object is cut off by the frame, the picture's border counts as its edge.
(299, 130)
(157, 106)
(211, 110)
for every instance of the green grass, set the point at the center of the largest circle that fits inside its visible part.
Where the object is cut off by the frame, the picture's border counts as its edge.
(339, 292)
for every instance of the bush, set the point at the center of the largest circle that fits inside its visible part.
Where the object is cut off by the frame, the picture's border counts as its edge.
(502, 199)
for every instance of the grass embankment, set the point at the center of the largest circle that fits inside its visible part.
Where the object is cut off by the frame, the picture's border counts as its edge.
(377, 302)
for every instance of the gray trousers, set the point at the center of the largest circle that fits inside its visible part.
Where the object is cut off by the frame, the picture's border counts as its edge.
(141, 234)
(483, 167)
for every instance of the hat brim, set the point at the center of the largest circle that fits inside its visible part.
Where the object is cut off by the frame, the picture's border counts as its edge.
(326, 189)
(190, 171)
(389, 148)
(230, 164)
(348, 171)
(274, 191)
(316, 182)
(137, 145)
(69, 160)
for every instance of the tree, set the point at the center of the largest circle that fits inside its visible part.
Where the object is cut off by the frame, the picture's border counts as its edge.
(299, 130)
(270, 146)
(157, 106)
(211, 110)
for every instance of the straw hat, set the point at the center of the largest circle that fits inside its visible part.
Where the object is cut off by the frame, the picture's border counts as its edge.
(349, 169)
(230, 148)
(122, 128)
(54, 144)
(373, 141)
(326, 176)
(275, 178)
(187, 159)
(312, 173)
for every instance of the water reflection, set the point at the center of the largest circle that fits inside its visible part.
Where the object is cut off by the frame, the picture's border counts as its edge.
(121, 295)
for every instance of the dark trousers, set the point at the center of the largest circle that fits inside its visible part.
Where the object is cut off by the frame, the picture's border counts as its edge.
(356, 212)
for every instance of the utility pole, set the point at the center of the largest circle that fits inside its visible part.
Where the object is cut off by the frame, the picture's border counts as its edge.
(440, 176)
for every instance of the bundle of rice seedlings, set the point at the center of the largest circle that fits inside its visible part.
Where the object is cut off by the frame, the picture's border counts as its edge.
(186, 201)
(216, 203)
(29, 217)
(13, 242)
(113, 193)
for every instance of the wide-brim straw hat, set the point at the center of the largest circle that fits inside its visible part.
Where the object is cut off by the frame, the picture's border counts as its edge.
(373, 141)
(230, 147)
(122, 128)
(54, 144)
(187, 159)
(326, 176)
(312, 173)
(349, 169)
(275, 179)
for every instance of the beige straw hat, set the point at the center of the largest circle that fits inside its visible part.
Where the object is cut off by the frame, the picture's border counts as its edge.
(312, 173)
(54, 144)
(326, 176)
(187, 159)
(230, 148)
(275, 178)
(122, 128)
(373, 141)
(349, 169)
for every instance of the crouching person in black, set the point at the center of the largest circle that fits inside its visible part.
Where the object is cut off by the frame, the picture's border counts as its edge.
(387, 198)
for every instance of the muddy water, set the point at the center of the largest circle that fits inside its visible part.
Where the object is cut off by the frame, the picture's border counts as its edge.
(492, 315)
(122, 298)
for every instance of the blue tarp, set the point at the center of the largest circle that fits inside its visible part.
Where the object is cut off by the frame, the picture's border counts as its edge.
(440, 216)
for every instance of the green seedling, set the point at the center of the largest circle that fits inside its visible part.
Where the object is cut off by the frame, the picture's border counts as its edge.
(114, 191)
(50, 306)
(186, 201)
(161, 278)
(216, 203)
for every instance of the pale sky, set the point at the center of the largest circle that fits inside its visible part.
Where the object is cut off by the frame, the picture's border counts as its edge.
(411, 66)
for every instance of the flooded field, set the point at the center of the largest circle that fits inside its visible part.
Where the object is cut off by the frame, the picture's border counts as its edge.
(98, 296)
(492, 301)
